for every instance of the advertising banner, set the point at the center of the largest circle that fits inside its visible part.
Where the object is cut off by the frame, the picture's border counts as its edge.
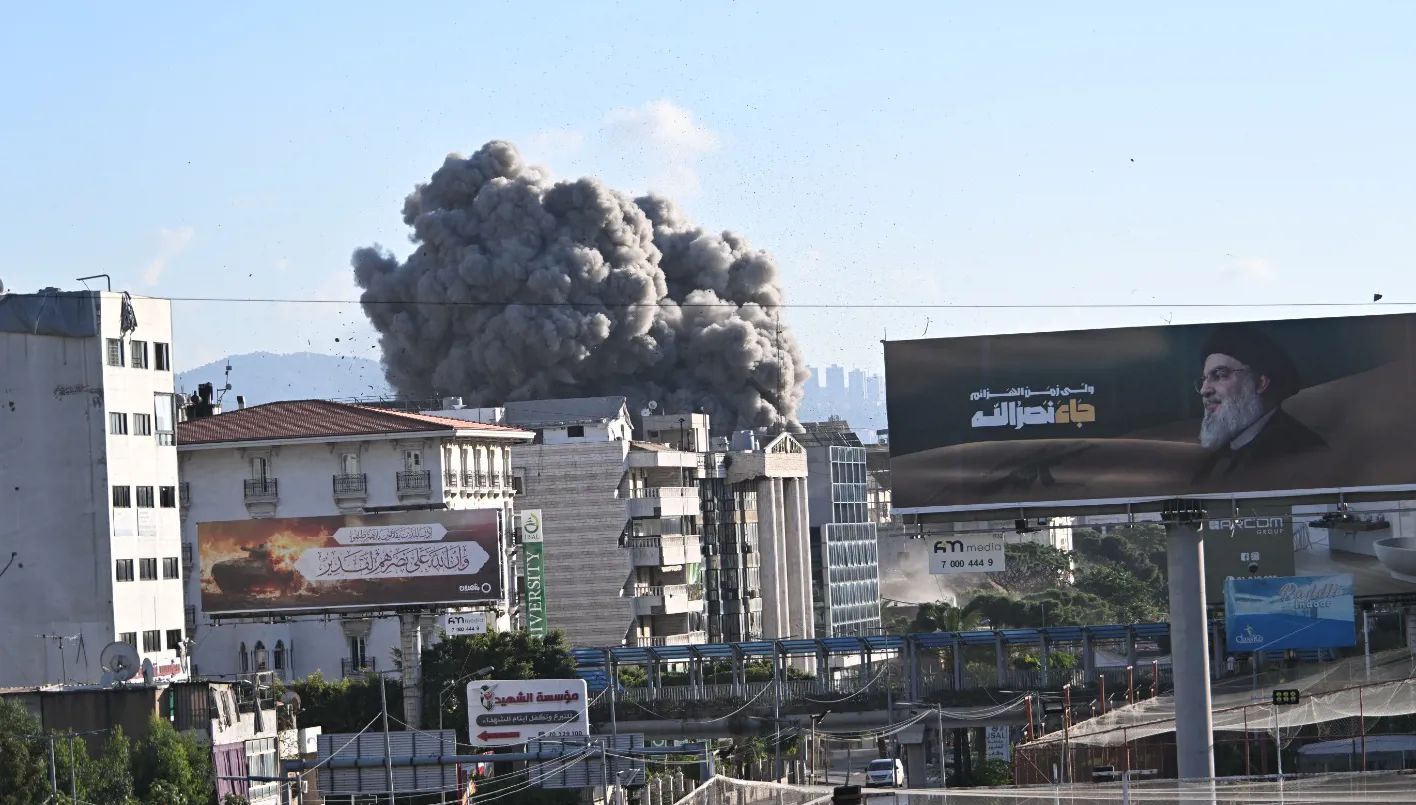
(349, 561)
(533, 553)
(967, 554)
(1299, 612)
(1246, 548)
(504, 712)
(465, 623)
(1050, 420)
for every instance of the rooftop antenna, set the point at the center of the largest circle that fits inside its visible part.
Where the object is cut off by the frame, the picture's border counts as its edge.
(120, 661)
(104, 277)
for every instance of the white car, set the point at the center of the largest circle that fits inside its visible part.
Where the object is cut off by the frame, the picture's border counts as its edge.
(885, 773)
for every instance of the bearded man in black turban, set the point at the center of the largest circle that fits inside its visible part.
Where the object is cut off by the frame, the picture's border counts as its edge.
(1247, 376)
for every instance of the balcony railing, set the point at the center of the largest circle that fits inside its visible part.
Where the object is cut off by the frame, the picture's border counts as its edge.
(357, 668)
(191, 618)
(414, 481)
(184, 494)
(495, 481)
(452, 478)
(469, 479)
(685, 639)
(351, 485)
(187, 558)
(664, 492)
(262, 489)
(694, 592)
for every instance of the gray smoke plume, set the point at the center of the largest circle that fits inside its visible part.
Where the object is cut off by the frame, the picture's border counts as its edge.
(521, 289)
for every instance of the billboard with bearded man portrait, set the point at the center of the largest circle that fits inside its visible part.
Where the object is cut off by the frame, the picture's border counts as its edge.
(1041, 421)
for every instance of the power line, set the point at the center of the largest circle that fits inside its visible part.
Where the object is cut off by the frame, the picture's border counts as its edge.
(784, 305)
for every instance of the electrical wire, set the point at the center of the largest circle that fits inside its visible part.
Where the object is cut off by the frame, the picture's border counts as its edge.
(710, 720)
(797, 306)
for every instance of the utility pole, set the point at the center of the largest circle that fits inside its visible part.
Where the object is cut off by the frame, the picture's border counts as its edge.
(53, 775)
(777, 710)
(388, 751)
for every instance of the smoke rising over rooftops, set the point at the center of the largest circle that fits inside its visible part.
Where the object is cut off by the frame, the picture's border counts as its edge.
(572, 289)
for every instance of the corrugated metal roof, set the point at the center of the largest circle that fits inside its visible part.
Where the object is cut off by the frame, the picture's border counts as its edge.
(304, 419)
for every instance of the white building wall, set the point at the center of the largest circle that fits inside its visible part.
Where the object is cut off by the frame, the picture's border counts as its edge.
(305, 472)
(57, 464)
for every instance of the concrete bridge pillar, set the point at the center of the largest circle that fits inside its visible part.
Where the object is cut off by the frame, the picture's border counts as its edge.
(1088, 656)
(1131, 646)
(916, 775)
(957, 653)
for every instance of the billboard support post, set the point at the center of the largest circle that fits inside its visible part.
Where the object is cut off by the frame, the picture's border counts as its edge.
(411, 642)
(1189, 640)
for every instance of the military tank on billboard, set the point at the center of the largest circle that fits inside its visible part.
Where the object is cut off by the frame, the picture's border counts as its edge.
(256, 573)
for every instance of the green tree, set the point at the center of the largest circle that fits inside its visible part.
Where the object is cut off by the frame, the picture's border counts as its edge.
(1131, 598)
(941, 616)
(345, 705)
(63, 748)
(109, 779)
(514, 655)
(172, 769)
(24, 763)
(1033, 567)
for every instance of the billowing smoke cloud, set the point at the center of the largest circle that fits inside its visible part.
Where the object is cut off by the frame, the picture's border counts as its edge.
(521, 288)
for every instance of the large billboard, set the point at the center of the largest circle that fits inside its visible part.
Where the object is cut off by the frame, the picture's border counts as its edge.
(353, 561)
(1301, 612)
(1148, 413)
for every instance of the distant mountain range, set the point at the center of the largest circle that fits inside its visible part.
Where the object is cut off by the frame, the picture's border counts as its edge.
(263, 377)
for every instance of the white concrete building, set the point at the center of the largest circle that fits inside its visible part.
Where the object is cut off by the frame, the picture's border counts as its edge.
(311, 458)
(90, 541)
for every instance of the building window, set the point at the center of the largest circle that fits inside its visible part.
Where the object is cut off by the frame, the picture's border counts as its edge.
(147, 569)
(124, 569)
(122, 497)
(142, 424)
(140, 354)
(162, 356)
(115, 352)
(357, 657)
(118, 424)
(244, 661)
(575, 431)
(260, 468)
(349, 464)
(144, 496)
(169, 567)
(152, 640)
(167, 497)
(280, 655)
(164, 414)
(131, 638)
(412, 460)
(174, 640)
(260, 657)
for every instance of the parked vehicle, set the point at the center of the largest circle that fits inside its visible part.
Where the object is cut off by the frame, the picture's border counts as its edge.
(885, 773)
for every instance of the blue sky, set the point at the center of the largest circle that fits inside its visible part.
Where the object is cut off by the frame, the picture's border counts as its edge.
(916, 153)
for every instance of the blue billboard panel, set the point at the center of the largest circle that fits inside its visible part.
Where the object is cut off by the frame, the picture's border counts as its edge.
(1298, 612)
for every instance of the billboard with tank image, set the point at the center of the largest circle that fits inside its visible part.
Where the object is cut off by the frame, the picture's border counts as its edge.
(1230, 410)
(349, 561)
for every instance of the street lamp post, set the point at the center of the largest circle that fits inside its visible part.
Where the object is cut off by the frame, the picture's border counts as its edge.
(442, 696)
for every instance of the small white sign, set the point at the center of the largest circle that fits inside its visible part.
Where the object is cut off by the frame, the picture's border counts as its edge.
(999, 741)
(531, 530)
(390, 534)
(147, 523)
(466, 623)
(508, 712)
(966, 554)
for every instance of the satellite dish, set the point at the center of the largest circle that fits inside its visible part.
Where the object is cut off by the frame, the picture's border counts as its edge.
(119, 659)
(291, 700)
(644, 412)
(2, 289)
(653, 405)
(147, 671)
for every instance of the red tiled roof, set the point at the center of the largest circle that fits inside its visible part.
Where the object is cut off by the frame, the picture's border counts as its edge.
(306, 419)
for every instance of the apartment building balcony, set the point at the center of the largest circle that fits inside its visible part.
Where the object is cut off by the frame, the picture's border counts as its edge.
(261, 495)
(667, 599)
(685, 639)
(188, 559)
(414, 483)
(659, 457)
(452, 478)
(664, 501)
(350, 487)
(664, 550)
(357, 668)
(184, 498)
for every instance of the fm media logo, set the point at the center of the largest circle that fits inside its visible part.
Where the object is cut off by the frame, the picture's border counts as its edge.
(1249, 637)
